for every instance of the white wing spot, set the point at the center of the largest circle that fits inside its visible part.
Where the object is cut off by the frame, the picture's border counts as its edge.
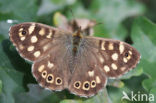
(121, 48)
(42, 32)
(129, 57)
(46, 47)
(30, 48)
(37, 54)
(40, 69)
(21, 29)
(125, 60)
(98, 80)
(114, 67)
(91, 73)
(123, 68)
(101, 59)
(130, 52)
(106, 68)
(22, 38)
(21, 47)
(50, 65)
(110, 46)
(103, 45)
(34, 39)
(50, 34)
(115, 56)
(31, 28)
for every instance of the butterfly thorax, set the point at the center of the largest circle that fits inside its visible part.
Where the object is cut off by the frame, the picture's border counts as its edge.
(77, 36)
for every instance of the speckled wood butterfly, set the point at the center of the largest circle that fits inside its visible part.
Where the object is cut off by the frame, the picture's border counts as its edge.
(73, 61)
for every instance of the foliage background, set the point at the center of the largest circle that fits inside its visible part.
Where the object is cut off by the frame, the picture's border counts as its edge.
(132, 21)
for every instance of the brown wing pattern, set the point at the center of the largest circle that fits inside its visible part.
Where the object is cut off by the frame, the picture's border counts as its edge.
(117, 57)
(33, 40)
(52, 71)
(87, 78)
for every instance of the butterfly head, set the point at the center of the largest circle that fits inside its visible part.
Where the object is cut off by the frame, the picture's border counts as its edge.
(78, 33)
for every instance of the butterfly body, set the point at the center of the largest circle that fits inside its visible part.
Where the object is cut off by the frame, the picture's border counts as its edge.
(66, 60)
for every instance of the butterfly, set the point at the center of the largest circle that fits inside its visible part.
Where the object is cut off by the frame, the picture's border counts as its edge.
(70, 60)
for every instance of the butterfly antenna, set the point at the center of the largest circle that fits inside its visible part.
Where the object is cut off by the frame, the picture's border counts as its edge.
(98, 24)
(72, 13)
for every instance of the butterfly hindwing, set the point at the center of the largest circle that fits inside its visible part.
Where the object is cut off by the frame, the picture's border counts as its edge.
(52, 71)
(87, 77)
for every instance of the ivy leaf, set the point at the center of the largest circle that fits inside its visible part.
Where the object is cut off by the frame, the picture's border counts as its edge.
(101, 97)
(24, 10)
(143, 35)
(4, 28)
(0, 87)
(113, 12)
(11, 79)
(49, 6)
(36, 94)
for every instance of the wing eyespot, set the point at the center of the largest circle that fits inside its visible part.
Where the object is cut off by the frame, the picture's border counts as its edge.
(24, 32)
(86, 85)
(77, 84)
(126, 54)
(58, 81)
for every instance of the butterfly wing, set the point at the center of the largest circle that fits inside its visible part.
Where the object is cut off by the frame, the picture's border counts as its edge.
(46, 47)
(116, 57)
(52, 71)
(34, 40)
(98, 59)
(87, 78)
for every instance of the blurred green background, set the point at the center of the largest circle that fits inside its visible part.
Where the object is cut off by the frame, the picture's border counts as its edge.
(132, 21)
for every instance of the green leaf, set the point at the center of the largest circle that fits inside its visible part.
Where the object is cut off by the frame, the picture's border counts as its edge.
(149, 84)
(4, 29)
(101, 97)
(24, 10)
(0, 87)
(130, 85)
(143, 35)
(36, 94)
(49, 6)
(153, 94)
(10, 76)
(113, 12)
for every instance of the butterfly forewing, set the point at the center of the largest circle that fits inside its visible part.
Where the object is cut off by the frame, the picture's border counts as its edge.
(116, 57)
(34, 40)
